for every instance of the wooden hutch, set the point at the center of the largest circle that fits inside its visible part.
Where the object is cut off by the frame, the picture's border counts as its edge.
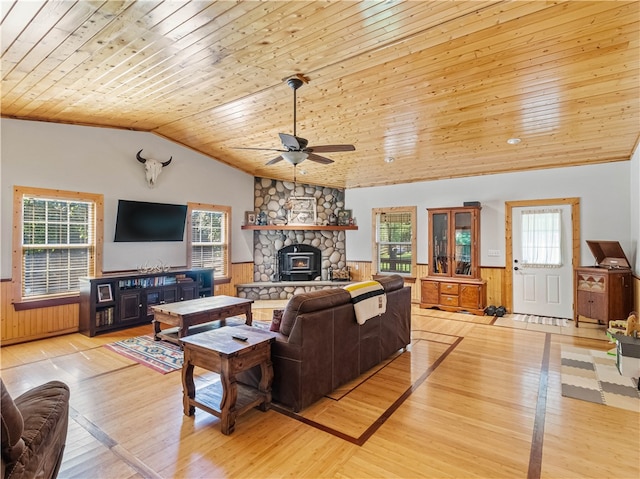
(453, 282)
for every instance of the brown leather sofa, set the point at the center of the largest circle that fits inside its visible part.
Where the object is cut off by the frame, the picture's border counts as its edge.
(34, 431)
(321, 346)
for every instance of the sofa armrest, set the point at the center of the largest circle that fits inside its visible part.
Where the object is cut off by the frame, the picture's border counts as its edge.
(45, 410)
(12, 425)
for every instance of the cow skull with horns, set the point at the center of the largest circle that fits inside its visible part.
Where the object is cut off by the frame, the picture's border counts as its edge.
(152, 168)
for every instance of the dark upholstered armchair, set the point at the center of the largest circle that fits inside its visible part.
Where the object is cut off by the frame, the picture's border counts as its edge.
(34, 431)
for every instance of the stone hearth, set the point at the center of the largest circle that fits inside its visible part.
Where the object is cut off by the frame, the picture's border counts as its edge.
(270, 198)
(282, 289)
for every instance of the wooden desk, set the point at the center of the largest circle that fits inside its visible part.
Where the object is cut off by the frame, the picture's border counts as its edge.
(217, 351)
(183, 314)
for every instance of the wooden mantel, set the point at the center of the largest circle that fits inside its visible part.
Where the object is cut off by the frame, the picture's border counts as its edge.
(299, 227)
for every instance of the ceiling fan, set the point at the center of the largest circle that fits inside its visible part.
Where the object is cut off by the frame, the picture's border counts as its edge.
(295, 148)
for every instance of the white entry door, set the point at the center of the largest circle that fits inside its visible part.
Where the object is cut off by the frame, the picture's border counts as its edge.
(542, 261)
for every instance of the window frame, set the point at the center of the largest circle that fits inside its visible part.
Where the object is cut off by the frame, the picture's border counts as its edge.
(375, 214)
(191, 207)
(17, 273)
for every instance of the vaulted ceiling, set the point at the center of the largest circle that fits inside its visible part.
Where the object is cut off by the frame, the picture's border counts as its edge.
(438, 86)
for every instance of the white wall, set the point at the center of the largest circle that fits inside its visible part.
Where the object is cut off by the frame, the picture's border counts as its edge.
(634, 185)
(103, 160)
(604, 192)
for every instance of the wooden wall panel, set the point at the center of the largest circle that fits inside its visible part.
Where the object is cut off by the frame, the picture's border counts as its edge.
(22, 326)
(495, 283)
(27, 325)
(240, 273)
(360, 270)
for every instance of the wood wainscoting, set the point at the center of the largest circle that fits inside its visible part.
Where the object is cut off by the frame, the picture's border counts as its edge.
(362, 271)
(30, 324)
(38, 323)
(22, 326)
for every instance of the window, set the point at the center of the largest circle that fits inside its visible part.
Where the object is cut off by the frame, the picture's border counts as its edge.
(395, 242)
(57, 243)
(541, 238)
(209, 238)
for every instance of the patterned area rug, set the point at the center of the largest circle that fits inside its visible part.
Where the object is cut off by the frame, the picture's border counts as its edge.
(160, 356)
(592, 376)
(533, 319)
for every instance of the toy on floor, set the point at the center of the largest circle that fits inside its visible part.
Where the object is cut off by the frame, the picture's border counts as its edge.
(627, 327)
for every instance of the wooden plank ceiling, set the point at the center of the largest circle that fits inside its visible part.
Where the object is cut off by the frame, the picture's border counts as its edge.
(437, 85)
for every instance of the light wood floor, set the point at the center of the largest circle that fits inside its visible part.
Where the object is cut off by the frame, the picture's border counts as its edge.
(483, 401)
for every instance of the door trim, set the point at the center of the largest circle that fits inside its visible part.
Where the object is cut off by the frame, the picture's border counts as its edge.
(507, 292)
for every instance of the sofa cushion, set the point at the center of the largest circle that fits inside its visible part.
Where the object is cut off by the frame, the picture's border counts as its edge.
(309, 302)
(12, 425)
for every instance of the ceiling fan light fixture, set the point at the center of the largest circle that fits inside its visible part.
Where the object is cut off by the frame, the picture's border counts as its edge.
(295, 157)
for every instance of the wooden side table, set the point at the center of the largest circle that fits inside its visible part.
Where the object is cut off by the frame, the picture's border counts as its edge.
(219, 352)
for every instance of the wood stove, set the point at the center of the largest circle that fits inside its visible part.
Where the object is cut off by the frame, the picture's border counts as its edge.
(299, 262)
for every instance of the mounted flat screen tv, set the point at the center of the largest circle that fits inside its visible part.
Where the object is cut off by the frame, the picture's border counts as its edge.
(139, 221)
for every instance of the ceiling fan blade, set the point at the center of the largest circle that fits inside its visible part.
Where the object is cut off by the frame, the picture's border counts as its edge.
(259, 149)
(319, 159)
(275, 160)
(330, 148)
(292, 142)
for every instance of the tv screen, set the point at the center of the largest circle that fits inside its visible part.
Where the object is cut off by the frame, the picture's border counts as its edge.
(139, 221)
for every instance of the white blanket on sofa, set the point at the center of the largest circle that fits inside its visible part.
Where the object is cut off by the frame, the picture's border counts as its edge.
(368, 298)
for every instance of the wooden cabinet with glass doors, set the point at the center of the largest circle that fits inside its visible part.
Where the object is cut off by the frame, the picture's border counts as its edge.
(453, 282)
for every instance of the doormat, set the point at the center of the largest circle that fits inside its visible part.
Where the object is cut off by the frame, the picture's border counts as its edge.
(545, 320)
(592, 376)
(160, 356)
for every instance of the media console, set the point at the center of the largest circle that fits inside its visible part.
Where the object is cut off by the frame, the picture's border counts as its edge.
(123, 300)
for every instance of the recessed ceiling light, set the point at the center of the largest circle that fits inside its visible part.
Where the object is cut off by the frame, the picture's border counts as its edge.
(389, 159)
(514, 141)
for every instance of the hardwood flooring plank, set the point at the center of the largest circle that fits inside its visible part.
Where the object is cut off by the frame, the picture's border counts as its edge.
(466, 400)
(535, 458)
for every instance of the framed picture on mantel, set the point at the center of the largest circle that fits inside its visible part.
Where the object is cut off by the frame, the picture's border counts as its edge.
(344, 217)
(302, 211)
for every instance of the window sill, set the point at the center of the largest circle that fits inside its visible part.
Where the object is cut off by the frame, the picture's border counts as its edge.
(25, 305)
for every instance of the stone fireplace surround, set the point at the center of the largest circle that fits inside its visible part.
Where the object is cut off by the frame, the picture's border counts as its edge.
(271, 196)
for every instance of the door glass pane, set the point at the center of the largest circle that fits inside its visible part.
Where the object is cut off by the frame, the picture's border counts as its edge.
(440, 243)
(462, 252)
(541, 238)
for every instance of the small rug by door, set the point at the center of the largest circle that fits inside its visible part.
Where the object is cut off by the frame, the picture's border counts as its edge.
(592, 376)
(545, 320)
(160, 356)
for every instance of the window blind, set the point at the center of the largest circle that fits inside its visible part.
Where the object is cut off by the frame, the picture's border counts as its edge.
(58, 245)
(209, 247)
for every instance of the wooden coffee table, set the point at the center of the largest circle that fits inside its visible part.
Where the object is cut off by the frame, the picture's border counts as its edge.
(218, 351)
(184, 314)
